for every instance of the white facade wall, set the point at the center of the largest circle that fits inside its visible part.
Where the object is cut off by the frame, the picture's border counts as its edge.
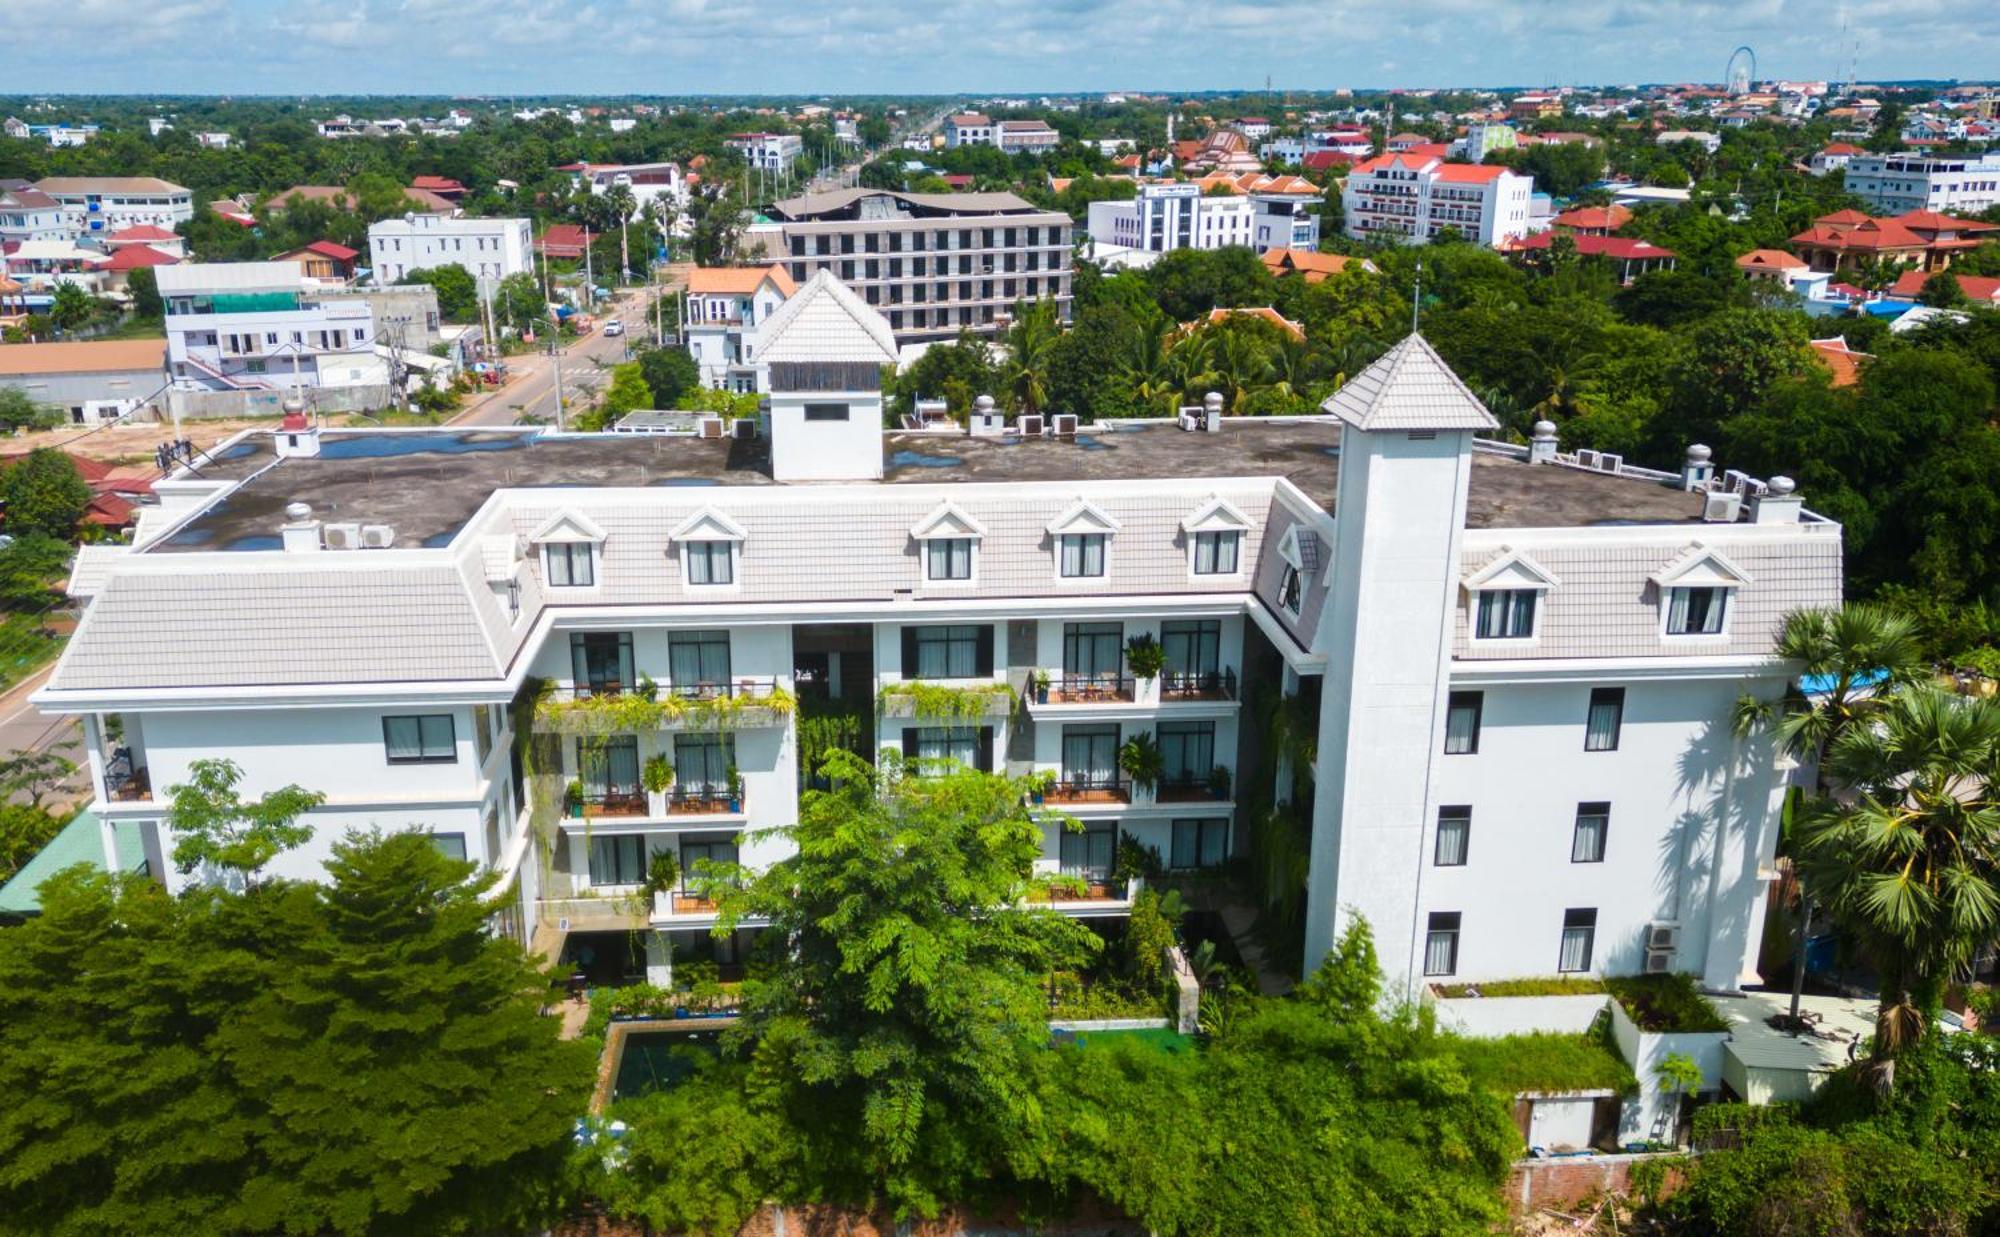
(1413, 206)
(1168, 217)
(101, 208)
(489, 249)
(1898, 183)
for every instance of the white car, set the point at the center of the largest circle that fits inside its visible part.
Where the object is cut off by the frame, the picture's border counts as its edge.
(614, 327)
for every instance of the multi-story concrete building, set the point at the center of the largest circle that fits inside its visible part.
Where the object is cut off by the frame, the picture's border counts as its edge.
(648, 182)
(1896, 183)
(28, 214)
(726, 309)
(1520, 665)
(767, 152)
(1016, 136)
(1412, 197)
(261, 326)
(99, 205)
(489, 249)
(969, 129)
(1173, 216)
(934, 263)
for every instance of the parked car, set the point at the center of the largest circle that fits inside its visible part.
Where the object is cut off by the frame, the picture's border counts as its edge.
(614, 327)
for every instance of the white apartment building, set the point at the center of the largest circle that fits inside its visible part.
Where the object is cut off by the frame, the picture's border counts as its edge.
(1899, 183)
(1016, 136)
(261, 327)
(489, 249)
(1522, 663)
(28, 214)
(662, 183)
(767, 152)
(1413, 197)
(1167, 217)
(723, 316)
(935, 263)
(99, 205)
(969, 129)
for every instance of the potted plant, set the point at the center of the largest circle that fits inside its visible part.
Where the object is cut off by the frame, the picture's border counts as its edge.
(1146, 656)
(1218, 782)
(1141, 761)
(657, 774)
(1038, 683)
(573, 797)
(735, 789)
(663, 873)
(648, 690)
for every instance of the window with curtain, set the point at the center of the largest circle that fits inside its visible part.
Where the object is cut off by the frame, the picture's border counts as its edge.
(1579, 935)
(1291, 590)
(1593, 822)
(1090, 754)
(420, 738)
(960, 743)
(705, 849)
(949, 652)
(1506, 614)
(1454, 836)
(1192, 646)
(1089, 854)
(710, 562)
(570, 564)
(1187, 752)
(698, 661)
(609, 767)
(1093, 650)
(1200, 844)
(701, 762)
(948, 558)
(618, 860)
(601, 661)
(1082, 554)
(1215, 553)
(1461, 723)
(1696, 611)
(1441, 943)
(1605, 720)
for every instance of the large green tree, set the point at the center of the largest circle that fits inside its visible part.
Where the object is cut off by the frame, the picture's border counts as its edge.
(215, 826)
(44, 494)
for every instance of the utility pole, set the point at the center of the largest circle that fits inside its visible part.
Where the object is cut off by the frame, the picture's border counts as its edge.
(555, 354)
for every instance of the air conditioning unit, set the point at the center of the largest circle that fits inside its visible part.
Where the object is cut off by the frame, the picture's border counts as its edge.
(377, 536)
(1663, 936)
(1586, 458)
(710, 427)
(744, 427)
(340, 536)
(1610, 463)
(1659, 961)
(1720, 507)
(1190, 420)
(1064, 424)
(1736, 482)
(1029, 425)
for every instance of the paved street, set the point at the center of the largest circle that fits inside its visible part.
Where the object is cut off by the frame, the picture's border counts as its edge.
(24, 729)
(586, 363)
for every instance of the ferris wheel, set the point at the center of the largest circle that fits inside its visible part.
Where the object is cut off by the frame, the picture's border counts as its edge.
(1742, 70)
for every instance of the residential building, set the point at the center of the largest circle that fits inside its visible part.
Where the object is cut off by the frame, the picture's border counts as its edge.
(934, 263)
(767, 152)
(213, 140)
(99, 205)
(1016, 136)
(1512, 662)
(443, 186)
(1774, 265)
(1593, 220)
(1484, 137)
(969, 129)
(93, 380)
(235, 327)
(1412, 197)
(1897, 183)
(661, 183)
(1834, 157)
(324, 261)
(146, 235)
(421, 200)
(723, 315)
(28, 214)
(1311, 265)
(563, 241)
(1256, 128)
(1535, 107)
(1924, 239)
(1173, 216)
(1979, 289)
(489, 249)
(1709, 142)
(117, 269)
(1629, 257)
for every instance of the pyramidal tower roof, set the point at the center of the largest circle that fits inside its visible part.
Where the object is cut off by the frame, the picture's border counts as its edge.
(828, 321)
(1409, 388)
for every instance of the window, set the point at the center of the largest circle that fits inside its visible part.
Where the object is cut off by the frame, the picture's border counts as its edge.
(1461, 723)
(698, 662)
(1200, 844)
(1579, 934)
(1093, 650)
(1506, 614)
(1215, 553)
(601, 662)
(695, 850)
(1090, 755)
(570, 564)
(618, 860)
(948, 558)
(1605, 719)
(947, 652)
(450, 845)
(1082, 554)
(1290, 589)
(709, 562)
(1192, 646)
(939, 743)
(482, 734)
(1089, 854)
(826, 412)
(1454, 837)
(1696, 611)
(609, 769)
(701, 763)
(1187, 753)
(1441, 944)
(420, 739)
(1593, 821)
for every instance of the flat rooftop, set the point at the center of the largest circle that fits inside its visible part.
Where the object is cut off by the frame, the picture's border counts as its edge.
(427, 484)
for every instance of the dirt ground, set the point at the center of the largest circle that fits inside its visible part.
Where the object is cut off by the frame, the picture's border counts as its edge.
(126, 443)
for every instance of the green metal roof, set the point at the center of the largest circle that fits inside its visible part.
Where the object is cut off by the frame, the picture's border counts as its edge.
(79, 842)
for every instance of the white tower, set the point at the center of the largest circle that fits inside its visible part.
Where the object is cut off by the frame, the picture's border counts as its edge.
(825, 349)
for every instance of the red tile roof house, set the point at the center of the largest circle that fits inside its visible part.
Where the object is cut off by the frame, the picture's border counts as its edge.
(323, 260)
(1978, 289)
(1632, 257)
(562, 240)
(443, 186)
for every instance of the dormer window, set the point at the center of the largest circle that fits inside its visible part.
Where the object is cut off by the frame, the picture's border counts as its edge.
(1696, 611)
(570, 545)
(709, 543)
(1082, 555)
(1082, 537)
(1507, 597)
(1696, 591)
(1215, 538)
(948, 543)
(1215, 553)
(709, 562)
(1300, 551)
(947, 559)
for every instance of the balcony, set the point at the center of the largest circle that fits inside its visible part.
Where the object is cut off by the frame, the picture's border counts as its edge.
(1197, 685)
(1084, 896)
(703, 801)
(1186, 790)
(127, 785)
(684, 908)
(623, 803)
(611, 707)
(1076, 790)
(1088, 689)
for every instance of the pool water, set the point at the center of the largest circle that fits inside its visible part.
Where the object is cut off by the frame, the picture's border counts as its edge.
(656, 1060)
(384, 446)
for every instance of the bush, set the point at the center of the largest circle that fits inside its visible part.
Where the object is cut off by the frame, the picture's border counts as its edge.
(1665, 1003)
(1562, 985)
(1545, 1061)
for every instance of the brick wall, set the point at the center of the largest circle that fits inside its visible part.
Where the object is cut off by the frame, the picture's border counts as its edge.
(1564, 1183)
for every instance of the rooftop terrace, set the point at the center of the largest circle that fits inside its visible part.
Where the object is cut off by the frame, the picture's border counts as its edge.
(427, 484)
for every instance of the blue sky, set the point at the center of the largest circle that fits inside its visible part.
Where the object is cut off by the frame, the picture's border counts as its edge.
(953, 46)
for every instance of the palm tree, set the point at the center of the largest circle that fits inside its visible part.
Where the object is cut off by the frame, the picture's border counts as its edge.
(1851, 662)
(1909, 861)
(1295, 366)
(1146, 369)
(1243, 365)
(1190, 360)
(1030, 341)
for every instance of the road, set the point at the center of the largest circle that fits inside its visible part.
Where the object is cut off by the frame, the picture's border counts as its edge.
(530, 394)
(23, 728)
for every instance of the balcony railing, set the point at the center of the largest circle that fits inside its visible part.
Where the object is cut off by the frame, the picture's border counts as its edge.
(135, 786)
(1090, 689)
(1198, 685)
(1089, 790)
(1182, 790)
(621, 802)
(1096, 888)
(702, 801)
(610, 706)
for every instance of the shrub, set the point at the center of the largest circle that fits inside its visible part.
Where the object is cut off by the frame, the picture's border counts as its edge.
(1560, 985)
(1665, 1003)
(1544, 1061)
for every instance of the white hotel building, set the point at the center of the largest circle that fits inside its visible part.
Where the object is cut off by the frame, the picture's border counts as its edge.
(489, 249)
(1522, 663)
(1412, 198)
(1895, 184)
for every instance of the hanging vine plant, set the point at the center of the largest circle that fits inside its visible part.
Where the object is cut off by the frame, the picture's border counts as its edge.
(934, 702)
(627, 712)
(825, 725)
